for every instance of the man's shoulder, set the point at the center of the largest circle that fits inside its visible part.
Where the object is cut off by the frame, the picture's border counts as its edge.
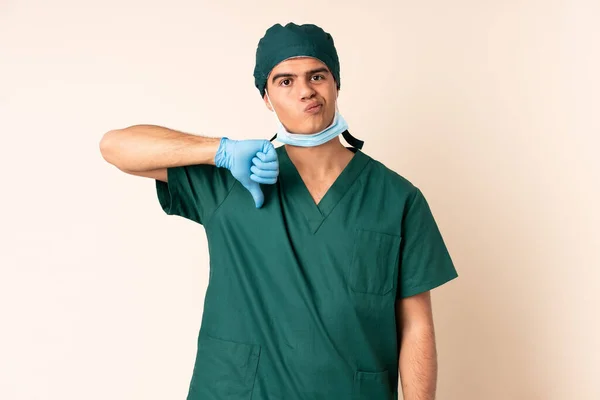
(384, 174)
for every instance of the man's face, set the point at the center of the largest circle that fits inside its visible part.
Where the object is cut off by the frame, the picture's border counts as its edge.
(303, 92)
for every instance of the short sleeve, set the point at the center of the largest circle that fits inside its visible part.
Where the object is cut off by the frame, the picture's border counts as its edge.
(425, 262)
(194, 191)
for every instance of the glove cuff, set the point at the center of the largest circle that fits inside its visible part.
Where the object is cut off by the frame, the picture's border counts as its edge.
(221, 155)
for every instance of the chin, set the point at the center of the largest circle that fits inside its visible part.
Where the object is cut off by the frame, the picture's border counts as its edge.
(315, 128)
(311, 127)
(312, 131)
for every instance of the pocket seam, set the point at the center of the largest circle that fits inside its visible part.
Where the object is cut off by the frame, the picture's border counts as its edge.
(221, 347)
(379, 377)
(362, 374)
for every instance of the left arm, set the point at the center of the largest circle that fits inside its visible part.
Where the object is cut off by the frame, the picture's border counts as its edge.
(418, 356)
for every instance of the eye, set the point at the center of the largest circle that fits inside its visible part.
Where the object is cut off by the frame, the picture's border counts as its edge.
(285, 82)
(318, 77)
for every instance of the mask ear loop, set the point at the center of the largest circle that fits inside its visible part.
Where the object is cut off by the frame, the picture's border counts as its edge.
(272, 106)
(337, 95)
(274, 112)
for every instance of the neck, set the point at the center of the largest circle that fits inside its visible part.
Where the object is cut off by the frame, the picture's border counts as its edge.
(320, 161)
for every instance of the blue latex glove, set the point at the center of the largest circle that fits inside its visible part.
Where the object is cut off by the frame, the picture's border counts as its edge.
(251, 162)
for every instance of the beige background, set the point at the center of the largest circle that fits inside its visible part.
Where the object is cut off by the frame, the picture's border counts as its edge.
(491, 108)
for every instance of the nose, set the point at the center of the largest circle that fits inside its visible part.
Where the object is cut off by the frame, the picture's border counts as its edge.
(305, 90)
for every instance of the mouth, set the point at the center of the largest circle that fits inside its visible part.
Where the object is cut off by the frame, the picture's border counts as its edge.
(313, 108)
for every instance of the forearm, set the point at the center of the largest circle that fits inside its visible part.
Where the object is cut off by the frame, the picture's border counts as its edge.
(418, 364)
(150, 147)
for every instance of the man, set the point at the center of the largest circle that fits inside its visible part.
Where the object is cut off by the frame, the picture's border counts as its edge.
(322, 258)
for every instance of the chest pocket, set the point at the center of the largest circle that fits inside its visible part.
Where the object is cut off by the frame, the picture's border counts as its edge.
(374, 262)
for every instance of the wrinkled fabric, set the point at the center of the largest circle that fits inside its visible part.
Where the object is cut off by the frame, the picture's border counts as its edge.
(300, 303)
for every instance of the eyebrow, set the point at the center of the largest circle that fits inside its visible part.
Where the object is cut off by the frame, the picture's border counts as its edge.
(289, 75)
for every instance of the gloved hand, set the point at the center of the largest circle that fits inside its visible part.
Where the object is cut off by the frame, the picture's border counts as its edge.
(251, 162)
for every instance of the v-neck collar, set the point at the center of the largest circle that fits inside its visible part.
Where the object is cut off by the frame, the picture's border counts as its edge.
(294, 187)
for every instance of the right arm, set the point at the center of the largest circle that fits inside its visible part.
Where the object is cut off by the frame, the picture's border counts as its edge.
(148, 150)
